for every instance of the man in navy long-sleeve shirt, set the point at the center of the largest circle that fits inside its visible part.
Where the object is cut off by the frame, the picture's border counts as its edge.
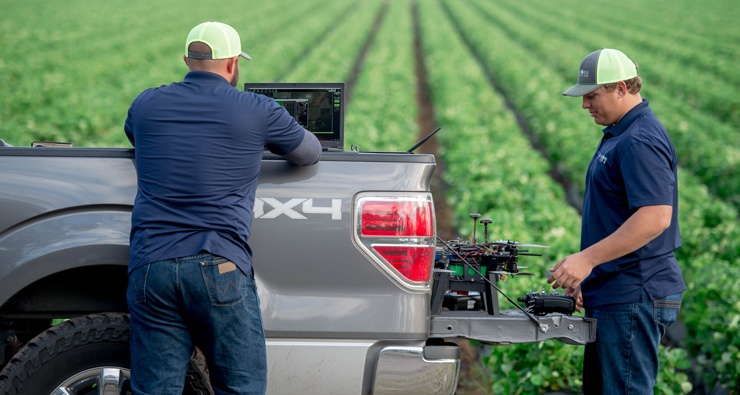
(198, 148)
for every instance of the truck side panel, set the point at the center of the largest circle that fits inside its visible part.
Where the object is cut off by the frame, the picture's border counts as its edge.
(314, 280)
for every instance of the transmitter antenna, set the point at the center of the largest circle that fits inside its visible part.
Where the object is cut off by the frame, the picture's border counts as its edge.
(422, 141)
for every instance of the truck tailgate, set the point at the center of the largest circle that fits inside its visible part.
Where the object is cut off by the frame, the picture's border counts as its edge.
(513, 326)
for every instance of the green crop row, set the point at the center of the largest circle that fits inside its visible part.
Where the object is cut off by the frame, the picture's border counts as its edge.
(381, 115)
(331, 59)
(289, 34)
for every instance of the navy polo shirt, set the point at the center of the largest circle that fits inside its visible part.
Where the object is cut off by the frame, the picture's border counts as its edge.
(635, 165)
(198, 150)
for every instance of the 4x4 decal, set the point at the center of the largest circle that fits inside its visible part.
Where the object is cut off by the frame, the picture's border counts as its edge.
(297, 208)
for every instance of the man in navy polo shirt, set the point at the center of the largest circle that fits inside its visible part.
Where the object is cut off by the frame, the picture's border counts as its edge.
(199, 146)
(626, 275)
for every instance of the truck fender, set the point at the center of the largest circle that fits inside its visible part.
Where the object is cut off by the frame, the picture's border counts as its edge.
(58, 241)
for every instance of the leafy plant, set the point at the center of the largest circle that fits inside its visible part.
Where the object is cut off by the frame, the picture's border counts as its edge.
(672, 377)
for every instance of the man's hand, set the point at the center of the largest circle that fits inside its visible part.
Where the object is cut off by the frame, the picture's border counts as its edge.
(570, 272)
(578, 296)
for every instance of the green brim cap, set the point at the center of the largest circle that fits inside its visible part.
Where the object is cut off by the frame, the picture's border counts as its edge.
(602, 67)
(221, 38)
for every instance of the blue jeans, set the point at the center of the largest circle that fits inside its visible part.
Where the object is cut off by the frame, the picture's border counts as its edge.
(624, 358)
(203, 301)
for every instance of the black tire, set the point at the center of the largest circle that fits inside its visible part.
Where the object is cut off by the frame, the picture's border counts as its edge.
(77, 354)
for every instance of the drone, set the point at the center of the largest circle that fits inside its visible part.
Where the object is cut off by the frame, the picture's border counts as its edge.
(466, 273)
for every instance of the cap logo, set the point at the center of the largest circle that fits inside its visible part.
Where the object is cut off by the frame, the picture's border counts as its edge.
(583, 73)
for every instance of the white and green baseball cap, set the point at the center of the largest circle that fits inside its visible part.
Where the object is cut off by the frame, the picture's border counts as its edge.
(602, 67)
(222, 38)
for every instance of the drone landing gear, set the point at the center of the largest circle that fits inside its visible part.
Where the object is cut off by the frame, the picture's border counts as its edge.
(463, 294)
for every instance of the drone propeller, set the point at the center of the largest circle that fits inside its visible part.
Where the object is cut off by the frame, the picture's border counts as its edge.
(513, 274)
(517, 244)
(532, 245)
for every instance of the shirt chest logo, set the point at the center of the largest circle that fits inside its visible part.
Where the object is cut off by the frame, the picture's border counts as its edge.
(601, 158)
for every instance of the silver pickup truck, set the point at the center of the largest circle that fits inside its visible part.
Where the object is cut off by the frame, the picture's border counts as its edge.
(355, 288)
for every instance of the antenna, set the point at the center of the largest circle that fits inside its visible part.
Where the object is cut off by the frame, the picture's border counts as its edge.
(422, 141)
(474, 216)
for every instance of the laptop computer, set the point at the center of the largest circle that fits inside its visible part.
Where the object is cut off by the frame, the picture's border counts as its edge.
(318, 107)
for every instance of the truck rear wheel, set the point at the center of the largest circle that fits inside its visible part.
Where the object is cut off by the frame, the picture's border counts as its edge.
(84, 355)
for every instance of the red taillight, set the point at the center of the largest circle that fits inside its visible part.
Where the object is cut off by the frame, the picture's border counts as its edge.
(395, 218)
(413, 262)
(398, 232)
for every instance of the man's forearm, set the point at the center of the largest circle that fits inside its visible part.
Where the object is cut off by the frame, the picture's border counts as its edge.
(644, 225)
(308, 153)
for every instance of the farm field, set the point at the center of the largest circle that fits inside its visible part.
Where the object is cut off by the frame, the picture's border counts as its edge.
(490, 74)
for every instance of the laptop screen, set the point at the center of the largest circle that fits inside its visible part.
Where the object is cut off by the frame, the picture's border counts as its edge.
(318, 107)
